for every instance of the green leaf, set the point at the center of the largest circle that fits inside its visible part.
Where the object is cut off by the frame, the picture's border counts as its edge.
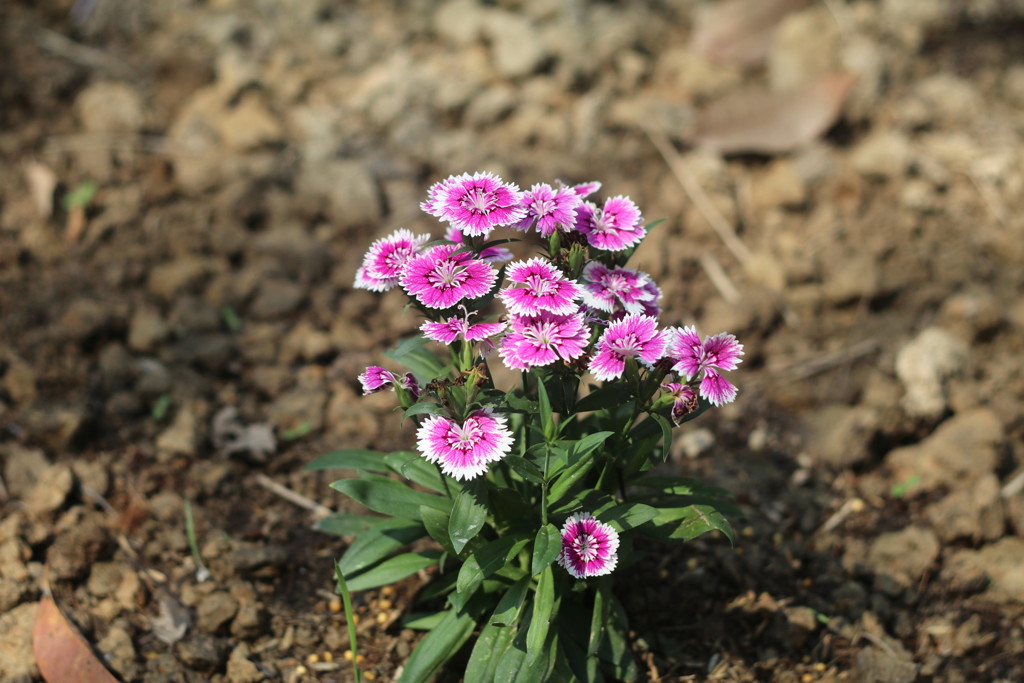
(615, 647)
(540, 661)
(469, 513)
(374, 545)
(483, 653)
(297, 432)
(423, 622)
(511, 604)
(161, 407)
(587, 444)
(687, 523)
(486, 560)
(350, 458)
(666, 435)
(346, 600)
(608, 396)
(547, 420)
(438, 646)
(546, 547)
(80, 196)
(412, 354)
(423, 408)
(394, 569)
(543, 611)
(413, 467)
(524, 468)
(230, 319)
(436, 523)
(629, 515)
(346, 524)
(515, 400)
(502, 645)
(389, 497)
(598, 620)
(568, 477)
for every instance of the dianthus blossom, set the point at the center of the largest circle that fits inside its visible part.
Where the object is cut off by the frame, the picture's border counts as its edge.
(464, 451)
(693, 357)
(618, 289)
(543, 339)
(635, 336)
(614, 227)
(684, 401)
(589, 547)
(387, 257)
(377, 379)
(549, 208)
(546, 289)
(584, 190)
(475, 204)
(441, 278)
(459, 327)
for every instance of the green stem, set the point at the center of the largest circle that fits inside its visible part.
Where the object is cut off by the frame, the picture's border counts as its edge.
(544, 489)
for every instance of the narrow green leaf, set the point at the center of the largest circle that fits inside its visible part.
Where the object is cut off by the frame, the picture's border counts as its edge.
(486, 560)
(469, 513)
(587, 444)
(666, 434)
(615, 647)
(524, 468)
(569, 476)
(413, 467)
(511, 604)
(540, 661)
(377, 544)
(546, 548)
(484, 653)
(502, 645)
(346, 524)
(436, 523)
(423, 408)
(438, 646)
(350, 458)
(394, 569)
(389, 497)
(608, 396)
(547, 420)
(628, 515)
(687, 523)
(412, 354)
(543, 611)
(423, 622)
(346, 601)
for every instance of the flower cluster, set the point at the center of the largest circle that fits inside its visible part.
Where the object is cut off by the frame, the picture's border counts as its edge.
(577, 310)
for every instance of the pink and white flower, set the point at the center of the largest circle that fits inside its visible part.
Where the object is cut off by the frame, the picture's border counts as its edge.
(546, 289)
(385, 261)
(589, 547)
(543, 339)
(377, 379)
(459, 327)
(635, 336)
(584, 190)
(693, 357)
(684, 401)
(549, 208)
(464, 451)
(441, 278)
(618, 289)
(475, 204)
(614, 227)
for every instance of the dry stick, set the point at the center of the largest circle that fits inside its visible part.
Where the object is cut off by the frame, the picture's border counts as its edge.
(802, 370)
(319, 511)
(719, 278)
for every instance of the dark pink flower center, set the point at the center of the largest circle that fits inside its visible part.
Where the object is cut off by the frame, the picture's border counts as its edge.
(586, 547)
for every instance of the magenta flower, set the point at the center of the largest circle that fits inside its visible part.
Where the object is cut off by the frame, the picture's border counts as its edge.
(386, 259)
(546, 289)
(490, 254)
(456, 327)
(692, 357)
(441, 278)
(614, 227)
(475, 204)
(543, 339)
(589, 548)
(464, 451)
(618, 289)
(378, 379)
(684, 401)
(551, 209)
(584, 190)
(635, 336)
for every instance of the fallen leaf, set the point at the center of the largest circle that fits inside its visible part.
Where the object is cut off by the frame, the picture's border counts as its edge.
(172, 622)
(42, 182)
(75, 224)
(760, 121)
(740, 31)
(231, 437)
(62, 654)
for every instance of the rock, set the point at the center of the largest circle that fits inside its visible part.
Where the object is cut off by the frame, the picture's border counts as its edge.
(192, 315)
(119, 653)
(461, 22)
(165, 668)
(22, 467)
(202, 652)
(182, 437)
(517, 47)
(104, 578)
(889, 664)
(250, 125)
(250, 558)
(923, 364)
(1001, 564)
(849, 276)
(211, 350)
(971, 314)
(14, 557)
(961, 450)
(52, 489)
(347, 190)
(275, 298)
(305, 342)
(350, 423)
(20, 382)
(17, 662)
(301, 407)
(154, 378)
(146, 330)
(11, 593)
(904, 555)
(291, 247)
(169, 280)
(805, 46)
(883, 154)
(240, 669)
(85, 318)
(77, 549)
(56, 425)
(117, 367)
(974, 512)
(693, 443)
(215, 610)
(251, 619)
(107, 107)
(840, 436)
(778, 185)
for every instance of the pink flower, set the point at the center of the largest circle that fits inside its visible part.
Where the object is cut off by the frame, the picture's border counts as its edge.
(684, 400)
(584, 190)
(378, 379)
(546, 289)
(386, 259)
(464, 451)
(589, 548)
(551, 209)
(457, 327)
(475, 204)
(614, 227)
(490, 254)
(635, 336)
(440, 278)
(692, 357)
(543, 339)
(618, 289)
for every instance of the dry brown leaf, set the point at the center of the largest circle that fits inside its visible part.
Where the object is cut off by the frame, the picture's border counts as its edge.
(172, 622)
(740, 31)
(42, 182)
(62, 654)
(759, 121)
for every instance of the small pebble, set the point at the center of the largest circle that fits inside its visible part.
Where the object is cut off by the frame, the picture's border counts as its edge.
(327, 657)
(387, 591)
(384, 604)
(335, 605)
(312, 659)
(382, 618)
(369, 675)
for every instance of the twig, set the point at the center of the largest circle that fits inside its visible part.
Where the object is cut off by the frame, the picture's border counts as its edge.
(699, 198)
(1014, 486)
(719, 278)
(319, 511)
(848, 508)
(82, 54)
(802, 370)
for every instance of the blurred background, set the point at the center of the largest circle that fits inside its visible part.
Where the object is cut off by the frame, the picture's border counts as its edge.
(188, 188)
